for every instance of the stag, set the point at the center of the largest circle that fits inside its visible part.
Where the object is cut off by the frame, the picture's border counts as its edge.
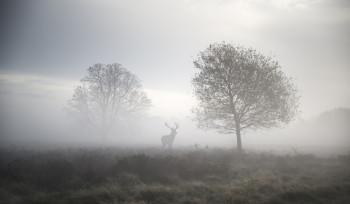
(169, 139)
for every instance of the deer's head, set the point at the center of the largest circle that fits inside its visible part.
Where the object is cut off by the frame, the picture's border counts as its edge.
(173, 129)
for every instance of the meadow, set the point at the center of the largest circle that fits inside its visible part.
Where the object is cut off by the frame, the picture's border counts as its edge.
(151, 175)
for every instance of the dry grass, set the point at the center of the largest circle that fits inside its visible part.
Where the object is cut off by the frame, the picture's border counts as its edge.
(199, 176)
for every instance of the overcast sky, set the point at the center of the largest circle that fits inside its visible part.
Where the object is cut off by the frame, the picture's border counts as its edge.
(46, 47)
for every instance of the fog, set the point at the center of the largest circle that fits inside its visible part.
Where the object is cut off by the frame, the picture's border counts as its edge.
(47, 46)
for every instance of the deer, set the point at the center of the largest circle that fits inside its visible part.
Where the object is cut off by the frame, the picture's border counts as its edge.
(169, 139)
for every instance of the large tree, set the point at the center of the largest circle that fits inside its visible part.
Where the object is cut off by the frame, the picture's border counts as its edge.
(108, 94)
(238, 88)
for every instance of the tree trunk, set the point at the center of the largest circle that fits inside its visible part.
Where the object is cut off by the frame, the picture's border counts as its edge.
(103, 126)
(103, 136)
(102, 139)
(238, 135)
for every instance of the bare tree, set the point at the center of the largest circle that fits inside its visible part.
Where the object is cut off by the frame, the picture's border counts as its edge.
(239, 89)
(108, 94)
(169, 139)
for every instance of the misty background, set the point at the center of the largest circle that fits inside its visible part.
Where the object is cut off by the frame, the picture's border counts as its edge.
(46, 47)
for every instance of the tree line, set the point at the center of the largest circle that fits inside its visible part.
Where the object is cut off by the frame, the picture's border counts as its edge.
(236, 89)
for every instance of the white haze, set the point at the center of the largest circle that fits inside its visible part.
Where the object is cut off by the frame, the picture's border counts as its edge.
(48, 45)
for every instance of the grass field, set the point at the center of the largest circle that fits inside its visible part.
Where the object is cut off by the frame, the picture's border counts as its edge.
(200, 175)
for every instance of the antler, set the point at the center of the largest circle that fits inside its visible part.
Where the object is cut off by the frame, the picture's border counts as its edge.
(176, 126)
(166, 124)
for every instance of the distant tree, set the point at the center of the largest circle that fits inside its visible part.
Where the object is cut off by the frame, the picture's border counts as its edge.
(239, 89)
(108, 94)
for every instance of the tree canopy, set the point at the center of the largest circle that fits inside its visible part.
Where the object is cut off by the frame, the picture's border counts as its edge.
(238, 88)
(108, 94)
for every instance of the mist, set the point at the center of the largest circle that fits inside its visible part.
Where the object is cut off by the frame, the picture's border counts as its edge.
(46, 53)
(178, 101)
(33, 115)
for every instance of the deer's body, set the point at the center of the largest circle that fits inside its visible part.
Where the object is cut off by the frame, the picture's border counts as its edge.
(169, 139)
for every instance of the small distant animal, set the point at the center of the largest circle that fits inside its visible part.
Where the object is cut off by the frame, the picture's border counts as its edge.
(169, 139)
